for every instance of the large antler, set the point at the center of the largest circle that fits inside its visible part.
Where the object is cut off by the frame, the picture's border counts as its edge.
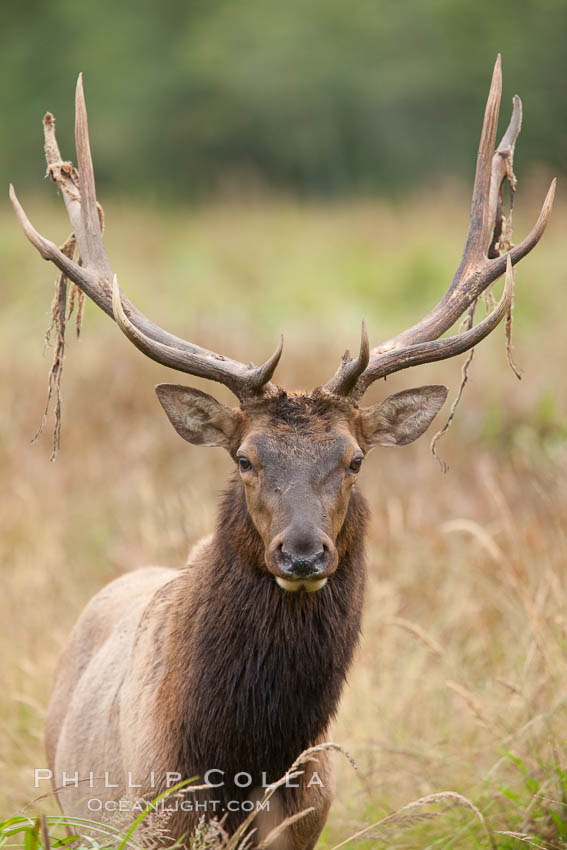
(95, 278)
(480, 266)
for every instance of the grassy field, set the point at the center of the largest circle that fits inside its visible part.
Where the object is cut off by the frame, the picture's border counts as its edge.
(459, 682)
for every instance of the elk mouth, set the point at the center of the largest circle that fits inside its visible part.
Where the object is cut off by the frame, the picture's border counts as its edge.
(309, 584)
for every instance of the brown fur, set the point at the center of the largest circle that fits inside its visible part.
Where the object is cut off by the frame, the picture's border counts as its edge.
(218, 666)
(254, 675)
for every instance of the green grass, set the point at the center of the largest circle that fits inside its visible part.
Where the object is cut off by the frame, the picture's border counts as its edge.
(459, 683)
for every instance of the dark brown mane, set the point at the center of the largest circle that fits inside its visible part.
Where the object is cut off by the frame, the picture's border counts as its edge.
(260, 672)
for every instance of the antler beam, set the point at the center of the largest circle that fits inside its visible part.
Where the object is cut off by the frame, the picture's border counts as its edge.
(480, 266)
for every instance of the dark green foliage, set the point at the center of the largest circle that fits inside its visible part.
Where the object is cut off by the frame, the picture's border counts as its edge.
(320, 97)
(325, 96)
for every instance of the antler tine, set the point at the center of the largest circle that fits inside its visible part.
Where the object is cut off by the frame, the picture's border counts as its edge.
(502, 169)
(65, 175)
(92, 248)
(480, 228)
(261, 375)
(95, 278)
(48, 250)
(349, 371)
(254, 378)
(496, 266)
(480, 264)
(438, 349)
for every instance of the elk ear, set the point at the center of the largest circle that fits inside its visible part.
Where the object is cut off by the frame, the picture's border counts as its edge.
(199, 418)
(401, 418)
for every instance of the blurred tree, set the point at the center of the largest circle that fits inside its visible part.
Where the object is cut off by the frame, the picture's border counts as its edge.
(319, 97)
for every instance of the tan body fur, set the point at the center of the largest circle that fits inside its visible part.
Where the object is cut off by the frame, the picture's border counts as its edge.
(100, 714)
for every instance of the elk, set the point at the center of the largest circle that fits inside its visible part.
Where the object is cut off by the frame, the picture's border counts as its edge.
(236, 662)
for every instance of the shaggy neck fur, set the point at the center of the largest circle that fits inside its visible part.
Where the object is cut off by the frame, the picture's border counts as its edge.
(256, 673)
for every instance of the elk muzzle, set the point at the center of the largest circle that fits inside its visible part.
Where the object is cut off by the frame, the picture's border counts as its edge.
(302, 558)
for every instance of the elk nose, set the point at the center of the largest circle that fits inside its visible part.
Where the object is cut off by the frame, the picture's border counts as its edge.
(302, 565)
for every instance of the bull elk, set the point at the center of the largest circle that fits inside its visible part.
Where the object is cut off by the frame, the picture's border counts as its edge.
(236, 663)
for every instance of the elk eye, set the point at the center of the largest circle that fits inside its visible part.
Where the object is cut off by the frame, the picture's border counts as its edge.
(244, 464)
(355, 464)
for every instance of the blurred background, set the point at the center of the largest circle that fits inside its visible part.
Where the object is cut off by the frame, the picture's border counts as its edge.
(318, 98)
(269, 167)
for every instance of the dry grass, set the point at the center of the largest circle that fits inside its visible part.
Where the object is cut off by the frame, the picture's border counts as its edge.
(459, 684)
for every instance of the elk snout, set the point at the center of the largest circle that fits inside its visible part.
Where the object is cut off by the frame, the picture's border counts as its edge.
(302, 559)
(301, 566)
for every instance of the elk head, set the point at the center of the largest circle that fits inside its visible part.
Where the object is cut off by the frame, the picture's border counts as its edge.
(298, 456)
